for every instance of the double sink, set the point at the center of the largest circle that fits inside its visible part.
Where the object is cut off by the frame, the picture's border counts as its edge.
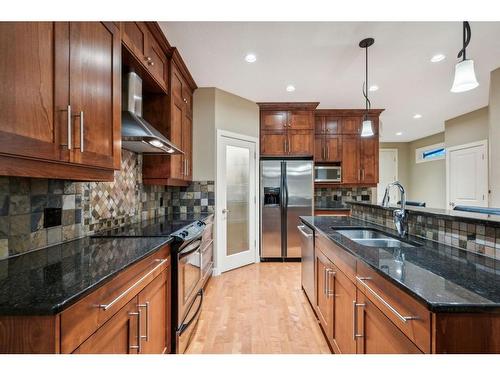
(374, 238)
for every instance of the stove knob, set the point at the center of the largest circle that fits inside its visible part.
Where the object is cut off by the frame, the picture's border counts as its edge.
(185, 233)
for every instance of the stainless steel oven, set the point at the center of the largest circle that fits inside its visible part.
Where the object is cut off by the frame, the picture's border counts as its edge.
(327, 173)
(189, 274)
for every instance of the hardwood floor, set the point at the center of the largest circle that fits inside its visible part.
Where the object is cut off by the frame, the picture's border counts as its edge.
(260, 308)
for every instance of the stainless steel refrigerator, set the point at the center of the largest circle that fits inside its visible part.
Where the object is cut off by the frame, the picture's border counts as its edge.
(286, 192)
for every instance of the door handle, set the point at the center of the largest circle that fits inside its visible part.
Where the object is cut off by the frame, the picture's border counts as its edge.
(301, 230)
(330, 293)
(138, 335)
(225, 211)
(146, 306)
(69, 127)
(355, 306)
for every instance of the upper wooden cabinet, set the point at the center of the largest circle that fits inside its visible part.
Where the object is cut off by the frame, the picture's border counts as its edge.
(176, 124)
(351, 125)
(327, 124)
(63, 99)
(287, 129)
(143, 44)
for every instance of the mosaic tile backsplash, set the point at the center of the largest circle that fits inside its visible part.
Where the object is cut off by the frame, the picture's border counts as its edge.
(325, 197)
(469, 236)
(87, 207)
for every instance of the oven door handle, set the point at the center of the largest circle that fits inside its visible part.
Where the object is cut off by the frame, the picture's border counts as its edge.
(191, 248)
(184, 326)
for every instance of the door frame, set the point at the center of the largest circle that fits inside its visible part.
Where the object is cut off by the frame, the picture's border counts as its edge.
(219, 253)
(397, 164)
(484, 143)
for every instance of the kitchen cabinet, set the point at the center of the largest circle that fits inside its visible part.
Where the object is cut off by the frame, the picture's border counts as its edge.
(287, 129)
(177, 125)
(376, 334)
(141, 42)
(368, 159)
(118, 336)
(345, 298)
(327, 148)
(350, 159)
(351, 125)
(324, 294)
(327, 125)
(62, 108)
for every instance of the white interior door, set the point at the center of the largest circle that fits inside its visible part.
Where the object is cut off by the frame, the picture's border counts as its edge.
(388, 172)
(467, 170)
(236, 201)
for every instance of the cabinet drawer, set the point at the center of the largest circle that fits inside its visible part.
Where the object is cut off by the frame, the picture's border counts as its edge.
(341, 258)
(82, 319)
(411, 317)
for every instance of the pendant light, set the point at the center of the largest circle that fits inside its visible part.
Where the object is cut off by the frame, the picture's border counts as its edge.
(367, 128)
(465, 77)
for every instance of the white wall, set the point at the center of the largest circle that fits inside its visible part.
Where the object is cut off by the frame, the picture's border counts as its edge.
(218, 109)
(468, 128)
(494, 138)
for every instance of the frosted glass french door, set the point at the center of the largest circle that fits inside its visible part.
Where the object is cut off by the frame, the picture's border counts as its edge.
(236, 202)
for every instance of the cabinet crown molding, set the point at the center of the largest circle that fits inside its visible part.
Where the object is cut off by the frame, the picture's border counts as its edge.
(346, 112)
(307, 106)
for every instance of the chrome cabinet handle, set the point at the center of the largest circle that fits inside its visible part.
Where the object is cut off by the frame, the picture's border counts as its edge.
(404, 319)
(138, 346)
(146, 306)
(301, 230)
(355, 306)
(330, 293)
(123, 294)
(81, 131)
(225, 211)
(69, 127)
(327, 153)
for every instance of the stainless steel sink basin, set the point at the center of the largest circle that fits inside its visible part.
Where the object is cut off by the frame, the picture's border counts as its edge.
(373, 238)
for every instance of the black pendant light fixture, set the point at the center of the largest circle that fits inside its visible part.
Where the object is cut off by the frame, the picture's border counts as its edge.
(367, 128)
(465, 77)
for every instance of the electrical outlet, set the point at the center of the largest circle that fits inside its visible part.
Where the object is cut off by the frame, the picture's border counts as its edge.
(52, 217)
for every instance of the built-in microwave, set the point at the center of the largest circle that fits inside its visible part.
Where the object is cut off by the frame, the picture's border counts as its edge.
(327, 173)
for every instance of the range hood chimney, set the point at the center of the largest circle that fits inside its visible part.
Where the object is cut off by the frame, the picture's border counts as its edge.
(137, 134)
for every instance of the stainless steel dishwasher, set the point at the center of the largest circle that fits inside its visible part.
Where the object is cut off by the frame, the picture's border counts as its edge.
(307, 264)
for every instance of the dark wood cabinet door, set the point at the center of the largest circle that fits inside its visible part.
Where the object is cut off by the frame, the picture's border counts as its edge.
(324, 293)
(332, 125)
(187, 147)
(345, 297)
(378, 335)
(273, 144)
(34, 98)
(156, 61)
(351, 125)
(178, 85)
(273, 120)
(95, 86)
(319, 148)
(333, 148)
(187, 97)
(300, 142)
(119, 335)
(153, 304)
(135, 35)
(319, 124)
(176, 128)
(350, 159)
(298, 120)
(369, 154)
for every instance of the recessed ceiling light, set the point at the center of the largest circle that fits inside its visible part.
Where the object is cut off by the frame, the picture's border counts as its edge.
(417, 115)
(373, 88)
(399, 133)
(437, 58)
(250, 58)
(290, 88)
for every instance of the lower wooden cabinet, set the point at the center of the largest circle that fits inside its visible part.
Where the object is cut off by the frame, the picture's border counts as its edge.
(324, 295)
(345, 299)
(376, 334)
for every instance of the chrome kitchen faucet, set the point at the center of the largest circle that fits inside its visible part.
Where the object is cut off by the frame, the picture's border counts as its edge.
(400, 215)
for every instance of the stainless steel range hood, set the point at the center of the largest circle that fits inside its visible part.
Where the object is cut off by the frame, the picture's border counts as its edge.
(137, 134)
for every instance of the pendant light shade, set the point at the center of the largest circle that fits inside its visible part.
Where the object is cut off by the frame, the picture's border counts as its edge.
(367, 129)
(465, 77)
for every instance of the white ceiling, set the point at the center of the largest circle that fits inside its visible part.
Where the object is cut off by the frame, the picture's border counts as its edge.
(324, 62)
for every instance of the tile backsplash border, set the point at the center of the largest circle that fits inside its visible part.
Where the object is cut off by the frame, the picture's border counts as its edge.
(477, 238)
(88, 207)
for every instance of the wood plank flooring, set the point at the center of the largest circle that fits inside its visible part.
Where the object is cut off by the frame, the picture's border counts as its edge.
(260, 308)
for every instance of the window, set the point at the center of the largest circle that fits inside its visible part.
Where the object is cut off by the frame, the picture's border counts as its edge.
(430, 153)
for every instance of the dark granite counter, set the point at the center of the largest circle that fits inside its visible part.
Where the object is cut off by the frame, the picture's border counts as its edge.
(48, 280)
(470, 217)
(444, 278)
(333, 206)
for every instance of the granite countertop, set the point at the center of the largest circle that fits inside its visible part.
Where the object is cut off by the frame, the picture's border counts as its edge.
(48, 280)
(332, 206)
(444, 278)
(472, 217)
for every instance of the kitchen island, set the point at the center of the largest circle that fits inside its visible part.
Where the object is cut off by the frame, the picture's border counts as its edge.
(421, 296)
